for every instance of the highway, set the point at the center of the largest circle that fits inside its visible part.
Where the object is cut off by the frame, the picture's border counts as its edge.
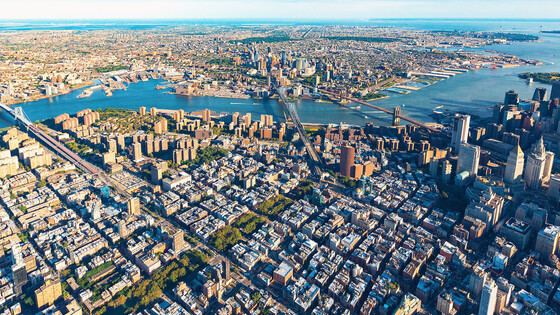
(292, 113)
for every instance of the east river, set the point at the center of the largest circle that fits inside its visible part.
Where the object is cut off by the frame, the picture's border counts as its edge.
(474, 92)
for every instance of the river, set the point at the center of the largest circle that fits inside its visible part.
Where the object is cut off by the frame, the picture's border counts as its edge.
(474, 92)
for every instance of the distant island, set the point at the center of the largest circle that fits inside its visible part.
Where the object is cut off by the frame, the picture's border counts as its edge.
(543, 77)
(551, 32)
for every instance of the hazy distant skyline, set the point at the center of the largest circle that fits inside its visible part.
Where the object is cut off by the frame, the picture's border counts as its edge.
(276, 9)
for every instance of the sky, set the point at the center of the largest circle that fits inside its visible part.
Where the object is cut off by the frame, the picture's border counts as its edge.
(276, 9)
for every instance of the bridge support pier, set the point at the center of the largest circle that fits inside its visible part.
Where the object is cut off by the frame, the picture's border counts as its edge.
(396, 116)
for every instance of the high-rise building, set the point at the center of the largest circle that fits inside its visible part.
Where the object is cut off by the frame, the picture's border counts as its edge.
(487, 207)
(445, 303)
(554, 187)
(469, 157)
(547, 242)
(225, 269)
(477, 280)
(446, 169)
(488, 298)
(434, 163)
(153, 111)
(48, 293)
(514, 166)
(206, 115)
(136, 151)
(539, 166)
(346, 160)
(460, 132)
(123, 233)
(540, 94)
(156, 174)
(133, 206)
(511, 98)
(178, 241)
(142, 110)
(555, 91)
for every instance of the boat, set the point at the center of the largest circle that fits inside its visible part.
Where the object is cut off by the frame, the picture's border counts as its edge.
(529, 80)
(365, 116)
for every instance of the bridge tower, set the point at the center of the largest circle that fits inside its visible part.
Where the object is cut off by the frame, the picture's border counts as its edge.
(396, 116)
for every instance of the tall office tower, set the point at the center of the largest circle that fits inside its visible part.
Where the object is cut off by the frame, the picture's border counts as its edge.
(434, 163)
(206, 115)
(18, 268)
(554, 187)
(178, 241)
(547, 242)
(540, 94)
(460, 132)
(136, 151)
(96, 212)
(142, 110)
(486, 207)
(469, 156)
(511, 98)
(547, 172)
(283, 58)
(133, 206)
(225, 269)
(122, 229)
(17, 256)
(112, 145)
(488, 298)
(446, 169)
(477, 280)
(537, 164)
(346, 160)
(445, 303)
(555, 91)
(498, 113)
(121, 143)
(514, 166)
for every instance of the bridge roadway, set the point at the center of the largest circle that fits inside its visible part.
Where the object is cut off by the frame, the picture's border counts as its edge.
(410, 120)
(51, 143)
(292, 113)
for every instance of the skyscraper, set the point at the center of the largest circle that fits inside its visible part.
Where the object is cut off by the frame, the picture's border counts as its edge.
(540, 94)
(178, 241)
(539, 165)
(133, 206)
(346, 160)
(469, 156)
(136, 151)
(460, 132)
(122, 229)
(547, 242)
(511, 98)
(555, 91)
(446, 169)
(206, 115)
(488, 298)
(514, 166)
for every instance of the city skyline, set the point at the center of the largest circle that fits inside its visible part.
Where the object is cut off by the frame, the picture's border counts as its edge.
(275, 9)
